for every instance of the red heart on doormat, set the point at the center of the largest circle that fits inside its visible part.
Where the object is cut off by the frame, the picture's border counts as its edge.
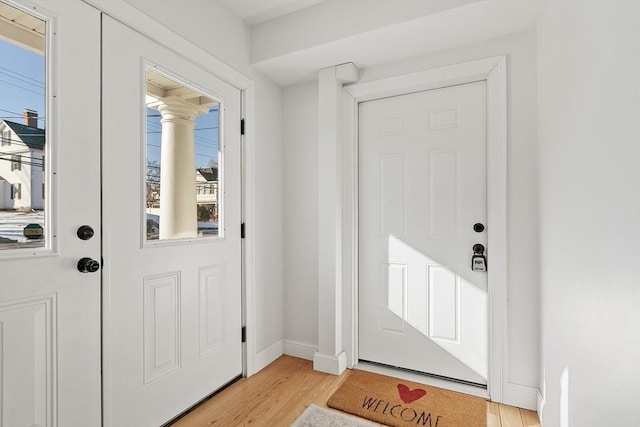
(407, 395)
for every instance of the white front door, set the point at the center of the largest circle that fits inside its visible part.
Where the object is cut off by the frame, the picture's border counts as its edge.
(422, 160)
(172, 248)
(50, 168)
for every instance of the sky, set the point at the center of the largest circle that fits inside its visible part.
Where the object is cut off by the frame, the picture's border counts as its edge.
(22, 77)
(206, 137)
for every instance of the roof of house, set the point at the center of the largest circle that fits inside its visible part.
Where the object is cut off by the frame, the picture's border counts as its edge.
(32, 137)
(210, 174)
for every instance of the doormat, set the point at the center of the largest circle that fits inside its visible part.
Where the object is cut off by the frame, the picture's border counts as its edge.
(401, 403)
(315, 416)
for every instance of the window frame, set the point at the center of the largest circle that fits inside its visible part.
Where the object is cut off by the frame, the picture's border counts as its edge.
(16, 162)
(6, 138)
(16, 191)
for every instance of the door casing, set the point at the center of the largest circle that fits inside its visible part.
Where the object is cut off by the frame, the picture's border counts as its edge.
(493, 70)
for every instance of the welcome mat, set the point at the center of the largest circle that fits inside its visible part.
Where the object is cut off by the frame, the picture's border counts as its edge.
(315, 416)
(400, 403)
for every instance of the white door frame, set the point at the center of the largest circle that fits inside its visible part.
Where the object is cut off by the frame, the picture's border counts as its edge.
(134, 18)
(493, 70)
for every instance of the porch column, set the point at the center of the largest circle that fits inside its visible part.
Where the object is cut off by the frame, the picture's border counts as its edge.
(178, 209)
(331, 356)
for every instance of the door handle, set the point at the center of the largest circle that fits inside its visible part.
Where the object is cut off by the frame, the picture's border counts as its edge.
(88, 265)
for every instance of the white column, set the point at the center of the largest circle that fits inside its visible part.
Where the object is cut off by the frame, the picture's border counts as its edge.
(178, 209)
(330, 357)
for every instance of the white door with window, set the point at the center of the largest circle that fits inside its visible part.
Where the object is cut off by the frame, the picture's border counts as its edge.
(50, 171)
(422, 209)
(172, 249)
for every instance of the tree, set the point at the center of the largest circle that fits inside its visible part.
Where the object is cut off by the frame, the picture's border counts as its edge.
(203, 213)
(153, 183)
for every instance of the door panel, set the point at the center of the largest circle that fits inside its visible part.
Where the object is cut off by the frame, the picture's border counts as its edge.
(49, 311)
(422, 188)
(172, 318)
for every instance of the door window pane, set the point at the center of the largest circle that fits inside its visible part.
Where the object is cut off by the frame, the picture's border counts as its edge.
(22, 129)
(182, 160)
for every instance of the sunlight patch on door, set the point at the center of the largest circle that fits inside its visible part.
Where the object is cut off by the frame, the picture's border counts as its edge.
(182, 183)
(424, 295)
(24, 192)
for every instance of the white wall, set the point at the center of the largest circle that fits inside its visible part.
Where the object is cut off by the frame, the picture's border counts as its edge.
(301, 139)
(589, 182)
(216, 30)
(300, 110)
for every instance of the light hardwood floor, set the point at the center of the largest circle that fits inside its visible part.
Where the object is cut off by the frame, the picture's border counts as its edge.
(278, 394)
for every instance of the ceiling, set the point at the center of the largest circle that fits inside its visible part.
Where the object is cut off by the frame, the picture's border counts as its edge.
(292, 39)
(22, 28)
(256, 11)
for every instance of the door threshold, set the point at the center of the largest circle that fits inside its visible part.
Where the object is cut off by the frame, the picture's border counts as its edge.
(473, 389)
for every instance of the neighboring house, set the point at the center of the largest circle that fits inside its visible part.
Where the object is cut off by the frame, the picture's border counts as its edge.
(207, 190)
(21, 165)
(206, 199)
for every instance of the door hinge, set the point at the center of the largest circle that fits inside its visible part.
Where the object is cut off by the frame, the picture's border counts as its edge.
(244, 334)
(242, 230)
(242, 127)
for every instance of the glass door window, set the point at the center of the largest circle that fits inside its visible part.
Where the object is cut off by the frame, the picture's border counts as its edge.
(23, 203)
(183, 160)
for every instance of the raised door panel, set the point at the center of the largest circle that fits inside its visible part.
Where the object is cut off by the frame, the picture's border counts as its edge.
(27, 361)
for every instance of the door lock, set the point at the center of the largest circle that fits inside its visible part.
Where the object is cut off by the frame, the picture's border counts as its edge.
(88, 265)
(478, 227)
(478, 260)
(85, 232)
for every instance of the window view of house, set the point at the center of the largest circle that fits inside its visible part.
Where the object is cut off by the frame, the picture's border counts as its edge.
(22, 129)
(182, 162)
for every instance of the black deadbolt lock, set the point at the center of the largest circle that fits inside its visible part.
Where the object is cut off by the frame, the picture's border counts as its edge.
(478, 227)
(85, 232)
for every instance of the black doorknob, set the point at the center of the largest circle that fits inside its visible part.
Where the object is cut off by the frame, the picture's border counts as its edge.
(88, 265)
(478, 227)
(85, 232)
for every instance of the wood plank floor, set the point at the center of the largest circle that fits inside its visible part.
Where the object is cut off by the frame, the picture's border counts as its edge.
(278, 394)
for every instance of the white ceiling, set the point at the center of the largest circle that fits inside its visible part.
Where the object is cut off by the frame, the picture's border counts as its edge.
(256, 11)
(292, 39)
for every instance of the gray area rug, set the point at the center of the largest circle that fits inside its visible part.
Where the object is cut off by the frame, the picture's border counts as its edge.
(315, 416)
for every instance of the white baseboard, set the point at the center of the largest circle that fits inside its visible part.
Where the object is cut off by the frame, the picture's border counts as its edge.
(521, 396)
(267, 356)
(303, 350)
(329, 363)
